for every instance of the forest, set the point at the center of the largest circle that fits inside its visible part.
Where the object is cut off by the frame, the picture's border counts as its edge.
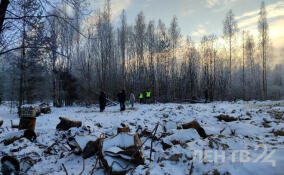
(56, 51)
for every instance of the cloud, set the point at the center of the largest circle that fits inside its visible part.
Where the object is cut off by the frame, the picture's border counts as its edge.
(116, 6)
(250, 19)
(211, 3)
(199, 32)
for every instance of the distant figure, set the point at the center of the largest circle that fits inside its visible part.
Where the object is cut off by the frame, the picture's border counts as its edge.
(121, 98)
(102, 101)
(132, 99)
(206, 95)
(141, 97)
(148, 96)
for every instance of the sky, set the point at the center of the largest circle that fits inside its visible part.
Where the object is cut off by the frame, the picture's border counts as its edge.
(203, 17)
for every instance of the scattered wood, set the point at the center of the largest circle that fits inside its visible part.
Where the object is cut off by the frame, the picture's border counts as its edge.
(45, 108)
(165, 145)
(64, 168)
(124, 129)
(279, 115)
(194, 125)
(226, 118)
(12, 137)
(66, 124)
(278, 133)
(14, 125)
(91, 149)
(121, 153)
(10, 165)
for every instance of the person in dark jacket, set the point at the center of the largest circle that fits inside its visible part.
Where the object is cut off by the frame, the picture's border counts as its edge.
(206, 95)
(121, 98)
(102, 101)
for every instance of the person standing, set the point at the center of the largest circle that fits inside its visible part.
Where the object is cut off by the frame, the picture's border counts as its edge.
(102, 101)
(148, 96)
(141, 97)
(132, 99)
(121, 98)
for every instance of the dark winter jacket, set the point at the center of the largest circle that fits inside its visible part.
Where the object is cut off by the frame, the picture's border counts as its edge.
(121, 97)
(102, 100)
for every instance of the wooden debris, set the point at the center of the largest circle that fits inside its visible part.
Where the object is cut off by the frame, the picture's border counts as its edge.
(10, 165)
(91, 149)
(14, 125)
(66, 124)
(121, 153)
(194, 125)
(124, 129)
(45, 108)
(11, 138)
(226, 118)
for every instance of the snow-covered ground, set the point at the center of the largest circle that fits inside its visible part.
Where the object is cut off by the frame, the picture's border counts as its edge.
(249, 145)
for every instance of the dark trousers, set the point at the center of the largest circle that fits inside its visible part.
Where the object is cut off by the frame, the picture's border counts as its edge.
(102, 108)
(122, 106)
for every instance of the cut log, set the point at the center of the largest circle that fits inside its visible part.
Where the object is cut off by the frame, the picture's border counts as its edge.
(124, 129)
(91, 149)
(226, 118)
(194, 125)
(66, 124)
(27, 123)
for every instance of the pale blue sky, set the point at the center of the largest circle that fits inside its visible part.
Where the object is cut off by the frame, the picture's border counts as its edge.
(201, 17)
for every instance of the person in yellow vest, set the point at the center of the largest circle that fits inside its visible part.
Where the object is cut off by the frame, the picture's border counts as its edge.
(141, 97)
(148, 96)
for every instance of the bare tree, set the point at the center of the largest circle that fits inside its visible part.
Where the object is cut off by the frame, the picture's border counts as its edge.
(230, 28)
(263, 36)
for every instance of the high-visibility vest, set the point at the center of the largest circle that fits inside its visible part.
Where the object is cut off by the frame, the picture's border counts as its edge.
(141, 95)
(148, 94)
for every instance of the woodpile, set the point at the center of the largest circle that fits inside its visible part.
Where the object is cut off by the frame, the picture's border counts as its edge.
(29, 111)
(45, 108)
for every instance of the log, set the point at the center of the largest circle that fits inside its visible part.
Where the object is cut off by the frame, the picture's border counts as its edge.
(226, 118)
(124, 129)
(91, 149)
(11, 138)
(66, 124)
(194, 125)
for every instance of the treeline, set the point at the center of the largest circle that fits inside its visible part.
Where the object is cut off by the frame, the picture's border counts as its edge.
(56, 55)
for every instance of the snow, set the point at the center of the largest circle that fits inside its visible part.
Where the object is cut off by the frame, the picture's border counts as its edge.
(245, 134)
